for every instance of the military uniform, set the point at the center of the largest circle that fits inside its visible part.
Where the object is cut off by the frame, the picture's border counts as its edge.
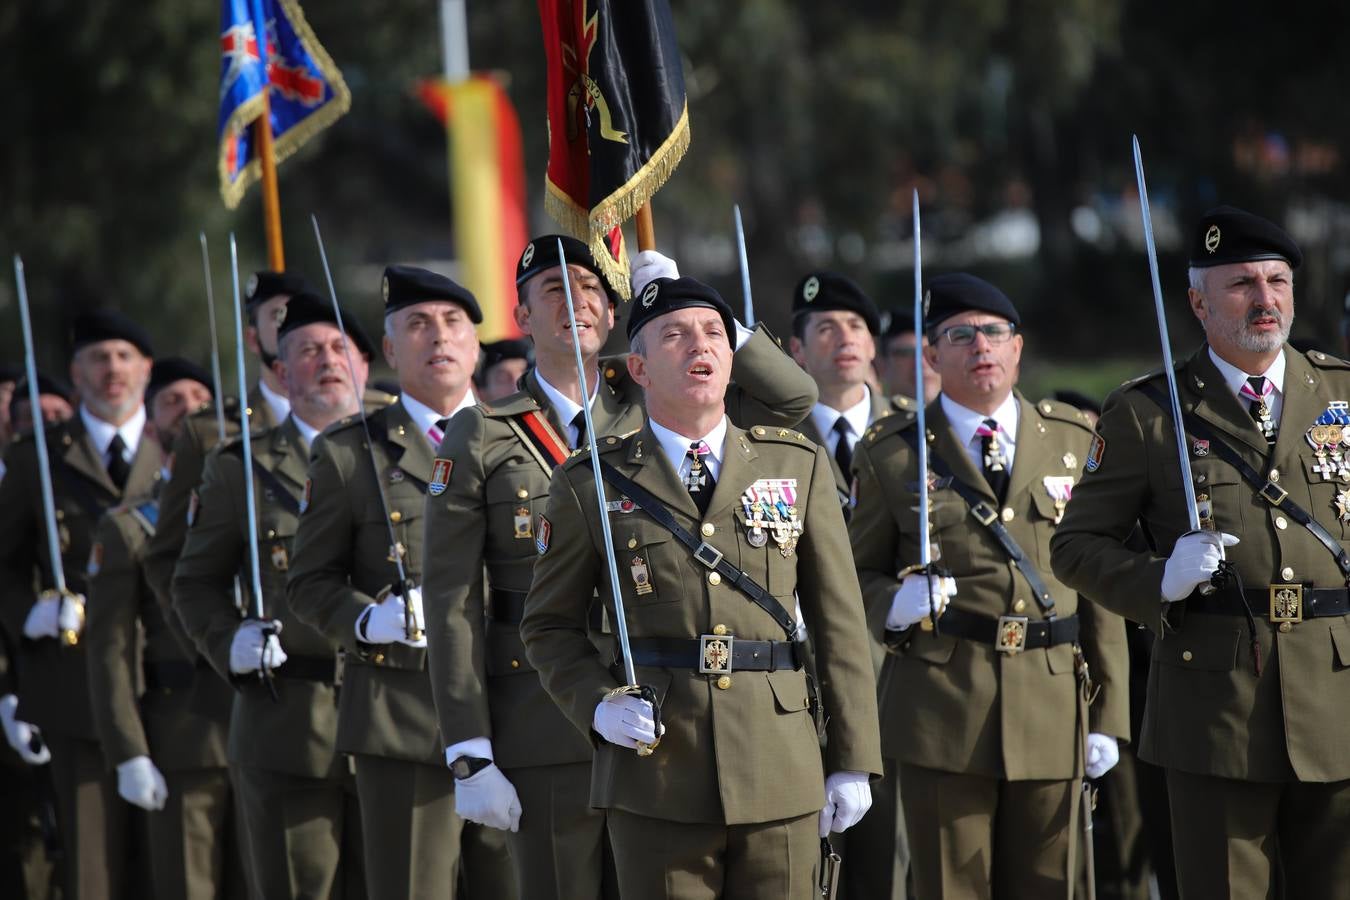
(295, 788)
(484, 515)
(387, 721)
(157, 701)
(1235, 743)
(739, 769)
(989, 744)
(882, 406)
(53, 680)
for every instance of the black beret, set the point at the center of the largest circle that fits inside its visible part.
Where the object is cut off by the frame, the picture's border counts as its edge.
(1227, 234)
(500, 351)
(822, 291)
(173, 368)
(10, 373)
(541, 254)
(263, 286)
(108, 325)
(948, 295)
(46, 385)
(407, 285)
(663, 295)
(306, 309)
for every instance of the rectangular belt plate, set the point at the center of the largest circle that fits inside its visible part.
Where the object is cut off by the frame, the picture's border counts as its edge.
(1012, 634)
(714, 654)
(1286, 603)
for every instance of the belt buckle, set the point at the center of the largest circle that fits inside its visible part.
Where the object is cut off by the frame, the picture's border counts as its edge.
(1286, 603)
(1012, 634)
(983, 513)
(714, 654)
(707, 554)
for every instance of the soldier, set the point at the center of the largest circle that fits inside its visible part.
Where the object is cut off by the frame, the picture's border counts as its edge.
(168, 746)
(735, 800)
(103, 454)
(504, 363)
(500, 458)
(896, 364)
(56, 399)
(1245, 705)
(834, 329)
(982, 717)
(295, 788)
(345, 583)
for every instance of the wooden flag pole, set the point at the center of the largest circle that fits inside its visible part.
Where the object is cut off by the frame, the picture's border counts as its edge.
(262, 133)
(646, 232)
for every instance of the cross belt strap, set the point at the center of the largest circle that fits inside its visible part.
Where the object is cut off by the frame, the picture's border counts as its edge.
(704, 552)
(1268, 490)
(987, 516)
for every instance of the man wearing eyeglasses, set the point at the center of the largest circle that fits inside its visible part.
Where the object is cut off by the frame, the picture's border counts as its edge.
(986, 716)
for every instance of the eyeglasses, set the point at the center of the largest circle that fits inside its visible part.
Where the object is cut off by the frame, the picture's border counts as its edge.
(964, 335)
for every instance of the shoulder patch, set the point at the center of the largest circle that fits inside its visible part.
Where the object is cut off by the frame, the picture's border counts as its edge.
(543, 532)
(440, 476)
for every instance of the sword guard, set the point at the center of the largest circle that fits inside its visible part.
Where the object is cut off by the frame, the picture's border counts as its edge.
(648, 693)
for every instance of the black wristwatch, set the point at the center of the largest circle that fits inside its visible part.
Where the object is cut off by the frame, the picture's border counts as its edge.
(467, 766)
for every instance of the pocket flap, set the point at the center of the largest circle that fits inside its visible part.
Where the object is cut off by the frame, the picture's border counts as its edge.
(1340, 639)
(1212, 651)
(789, 690)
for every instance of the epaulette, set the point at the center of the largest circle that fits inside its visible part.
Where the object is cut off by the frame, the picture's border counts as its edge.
(1326, 360)
(1146, 377)
(903, 403)
(1064, 412)
(780, 436)
(890, 424)
(513, 405)
(614, 368)
(373, 397)
(207, 411)
(343, 423)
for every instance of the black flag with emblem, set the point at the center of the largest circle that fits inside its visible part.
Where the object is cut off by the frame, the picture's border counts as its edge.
(618, 117)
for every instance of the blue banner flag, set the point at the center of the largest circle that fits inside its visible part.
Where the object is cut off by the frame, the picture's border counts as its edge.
(268, 44)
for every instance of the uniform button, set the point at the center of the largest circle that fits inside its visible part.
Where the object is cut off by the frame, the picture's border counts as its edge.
(1280, 523)
(515, 664)
(708, 529)
(378, 658)
(1186, 655)
(1287, 573)
(1008, 514)
(609, 373)
(522, 493)
(1200, 478)
(719, 630)
(396, 516)
(632, 542)
(724, 682)
(248, 410)
(1019, 605)
(1274, 474)
(1286, 627)
(271, 533)
(714, 578)
(759, 431)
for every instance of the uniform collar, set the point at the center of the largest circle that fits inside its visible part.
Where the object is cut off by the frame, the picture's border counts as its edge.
(858, 415)
(964, 420)
(278, 403)
(1235, 378)
(565, 407)
(424, 417)
(307, 432)
(101, 432)
(676, 446)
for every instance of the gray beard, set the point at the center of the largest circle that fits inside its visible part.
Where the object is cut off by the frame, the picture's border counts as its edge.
(1236, 332)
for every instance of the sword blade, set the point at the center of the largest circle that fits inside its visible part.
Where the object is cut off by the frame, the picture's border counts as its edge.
(925, 532)
(744, 261)
(250, 501)
(215, 341)
(1187, 484)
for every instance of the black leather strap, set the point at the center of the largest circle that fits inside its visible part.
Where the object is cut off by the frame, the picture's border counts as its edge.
(984, 629)
(1317, 602)
(1269, 491)
(987, 516)
(288, 501)
(746, 656)
(704, 552)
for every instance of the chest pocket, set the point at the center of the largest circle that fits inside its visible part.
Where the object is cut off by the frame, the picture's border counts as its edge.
(515, 499)
(947, 518)
(650, 562)
(765, 563)
(1216, 484)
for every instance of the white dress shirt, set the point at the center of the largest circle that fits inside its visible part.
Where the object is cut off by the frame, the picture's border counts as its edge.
(425, 418)
(101, 433)
(1235, 378)
(676, 448)
(565, 406)
(278, 403)
(965, 421)
(857, 417)
(307, 432)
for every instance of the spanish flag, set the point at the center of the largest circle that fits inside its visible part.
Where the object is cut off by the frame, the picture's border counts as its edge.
(487, 186)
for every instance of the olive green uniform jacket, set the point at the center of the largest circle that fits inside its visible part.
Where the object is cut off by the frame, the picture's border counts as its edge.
(957, 705)
(53, 682)
(737, 749)
(1207, 712)
(295, 735)
(498, 487)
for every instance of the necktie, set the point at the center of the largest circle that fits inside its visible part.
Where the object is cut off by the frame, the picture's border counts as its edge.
(995, 462)
(436, 433)
(118, 467)
(579, 423)
(699, 480)
(843, 453)
(1258, 390)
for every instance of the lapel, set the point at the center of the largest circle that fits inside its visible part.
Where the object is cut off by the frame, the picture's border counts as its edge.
(289, 458)
(607, 411)
(540, 399)
(649, 468)
(146, 466)
(1030, 446)
(412, 453)
(737, 473)
(808, 428)
(260, 416)
(79, 453)
(1212, 401)
(1302, 406)
(946, 447)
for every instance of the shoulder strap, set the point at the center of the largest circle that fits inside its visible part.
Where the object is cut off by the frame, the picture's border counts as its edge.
(704, 552)
(288, 501)
(534, 428)
(987, 516)
(1269, 491)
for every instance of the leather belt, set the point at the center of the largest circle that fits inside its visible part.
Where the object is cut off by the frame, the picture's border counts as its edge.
(1009, 634)
(169, 675)
(716, 654)
(1316, 602)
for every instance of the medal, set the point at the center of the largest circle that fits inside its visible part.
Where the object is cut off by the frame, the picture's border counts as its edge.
(280, 561)
(1060, 489)
(522, 523)
(1343, 506)
(642, 582)
(1205, 509)
(697, 477)
(395, 475)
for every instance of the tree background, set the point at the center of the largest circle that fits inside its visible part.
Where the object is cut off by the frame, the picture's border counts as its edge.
(1011, 117)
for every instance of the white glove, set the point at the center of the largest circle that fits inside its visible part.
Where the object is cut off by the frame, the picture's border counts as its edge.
(21, 735)
(49, 616)
(1195, 557)
(386, 622)
(140, 784)
(625, 720)
(648, 266)
(848, 797)
(246, 650)
(912, 600)
(1103, 752)
(488, 798)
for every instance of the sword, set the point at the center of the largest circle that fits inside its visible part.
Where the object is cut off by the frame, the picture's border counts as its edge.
(925, 527)
(61, 593)
(412, 630)
(250, 500)
(1089, 801)
(1187, 483)
(745, 268)
(620, 620)
(829, 870)
(216, 379)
